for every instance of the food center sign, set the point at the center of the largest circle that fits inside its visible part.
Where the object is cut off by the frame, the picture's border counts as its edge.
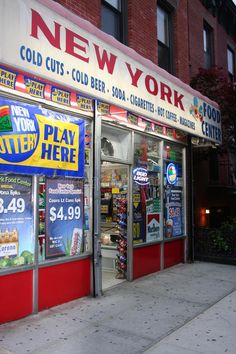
(47, 40)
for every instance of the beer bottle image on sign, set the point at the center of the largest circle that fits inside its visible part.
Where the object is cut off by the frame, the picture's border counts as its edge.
(76, 242)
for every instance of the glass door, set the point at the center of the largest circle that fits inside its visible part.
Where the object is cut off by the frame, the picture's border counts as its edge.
(114, 211)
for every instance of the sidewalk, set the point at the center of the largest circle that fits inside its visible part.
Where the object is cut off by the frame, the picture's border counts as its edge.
(187, 309)
(213, 332)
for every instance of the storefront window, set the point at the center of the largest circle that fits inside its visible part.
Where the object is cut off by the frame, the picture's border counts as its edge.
(16, 221)
(146, 190)
(114, 143)
(173, 191)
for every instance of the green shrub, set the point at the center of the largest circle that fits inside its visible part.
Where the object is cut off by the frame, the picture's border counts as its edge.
(221, 238)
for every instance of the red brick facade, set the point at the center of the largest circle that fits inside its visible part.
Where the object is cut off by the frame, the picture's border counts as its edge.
(181, 41)
(89, 10)
(200, 14)
(142, 29)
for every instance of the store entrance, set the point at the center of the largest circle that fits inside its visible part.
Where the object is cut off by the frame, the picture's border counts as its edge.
(114, 209)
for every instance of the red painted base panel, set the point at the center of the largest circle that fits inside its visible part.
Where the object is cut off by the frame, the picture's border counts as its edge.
(146, 260)
(16, 293)
(173, 253)
(63, 282)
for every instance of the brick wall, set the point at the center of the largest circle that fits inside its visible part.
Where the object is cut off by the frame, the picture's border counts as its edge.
(197, 14)
(142, 31)
(89, 10)
(223, 40)
(181, 41)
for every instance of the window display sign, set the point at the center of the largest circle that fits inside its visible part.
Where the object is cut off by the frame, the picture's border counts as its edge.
(64, 217)
(171, 173)
(138, 220)
(153, 227)
(16, 221)
(174, 225)
(140, 176)
(39, 141)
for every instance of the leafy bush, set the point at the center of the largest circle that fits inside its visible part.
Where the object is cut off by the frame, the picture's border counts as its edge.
(229, 226)
(218, 241)
(223, 238)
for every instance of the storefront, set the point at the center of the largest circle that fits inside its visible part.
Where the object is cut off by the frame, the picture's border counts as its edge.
(93, 169)
(143, 195)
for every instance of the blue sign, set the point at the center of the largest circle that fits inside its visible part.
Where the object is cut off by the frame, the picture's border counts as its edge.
(175, 211)
(171, 173)
(140, 176)
(64, 217)
(35, 140)
(173, 214)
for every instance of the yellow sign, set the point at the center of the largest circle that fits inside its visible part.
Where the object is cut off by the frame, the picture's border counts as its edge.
(84, 103)
(58, 145)
(136, 199)
(7, 78)
(60, 96)
(115, 190)
(34, 88)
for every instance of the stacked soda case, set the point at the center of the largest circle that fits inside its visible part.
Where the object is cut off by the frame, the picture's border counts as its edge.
(121, 261)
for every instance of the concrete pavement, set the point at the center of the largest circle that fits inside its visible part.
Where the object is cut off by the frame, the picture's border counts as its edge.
(190, 308)
(213, 331)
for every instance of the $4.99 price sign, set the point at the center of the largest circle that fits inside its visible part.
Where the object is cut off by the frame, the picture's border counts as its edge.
(64, 213)
(64, 216)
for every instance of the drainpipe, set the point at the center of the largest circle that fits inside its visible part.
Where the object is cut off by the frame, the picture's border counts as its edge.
(191, 201)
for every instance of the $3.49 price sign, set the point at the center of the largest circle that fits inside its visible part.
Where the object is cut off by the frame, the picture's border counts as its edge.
(14, 205)
(64, 213)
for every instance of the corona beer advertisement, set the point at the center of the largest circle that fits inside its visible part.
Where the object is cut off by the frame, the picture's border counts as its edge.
(16, 221)
(34, 140)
